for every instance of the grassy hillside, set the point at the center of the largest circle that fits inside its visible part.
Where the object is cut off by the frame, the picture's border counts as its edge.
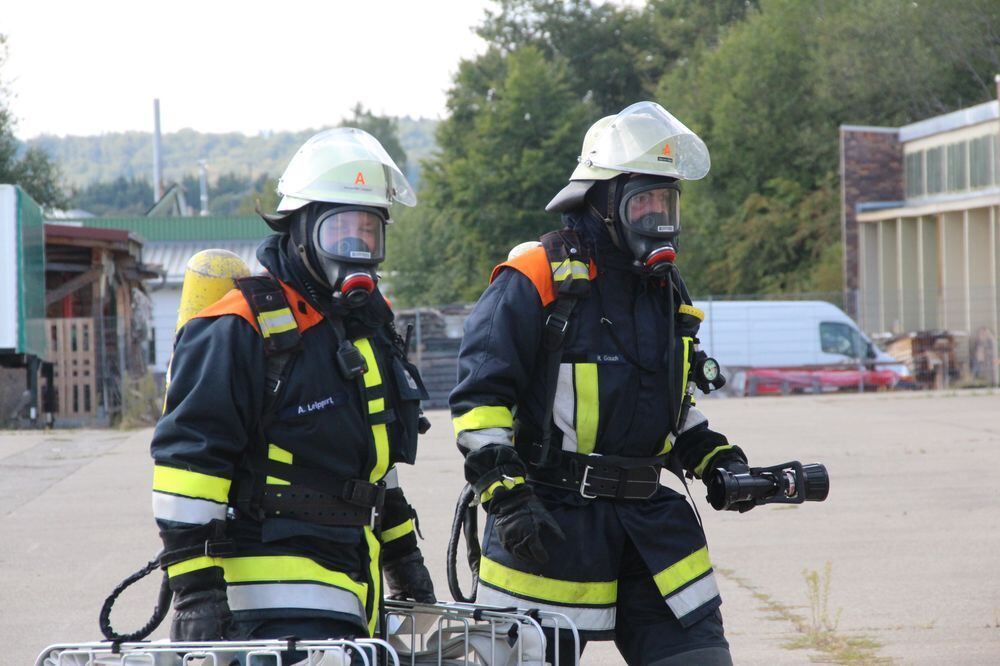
(89, 159)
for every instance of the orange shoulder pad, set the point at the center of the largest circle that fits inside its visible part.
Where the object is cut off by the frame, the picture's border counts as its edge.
(233, 303)
(306, 316)
(534, 265)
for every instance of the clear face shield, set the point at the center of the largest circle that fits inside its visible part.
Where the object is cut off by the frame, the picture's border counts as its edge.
(650, 217)
(350, 243)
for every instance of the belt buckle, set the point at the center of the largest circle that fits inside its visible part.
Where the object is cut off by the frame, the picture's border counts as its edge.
(373, 520)
(583, 482)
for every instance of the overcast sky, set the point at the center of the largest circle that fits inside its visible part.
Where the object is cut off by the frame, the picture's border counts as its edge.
(221, 65)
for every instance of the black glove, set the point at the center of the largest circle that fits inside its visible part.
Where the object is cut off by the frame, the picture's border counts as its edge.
(520, 520)
(734, 465)
(408, 578)
(202, 615)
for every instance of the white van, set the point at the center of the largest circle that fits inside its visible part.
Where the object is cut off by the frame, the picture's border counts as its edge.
(808, 336)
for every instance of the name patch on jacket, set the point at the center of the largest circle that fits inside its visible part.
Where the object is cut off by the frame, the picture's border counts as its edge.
(600, 359)
(306, 408)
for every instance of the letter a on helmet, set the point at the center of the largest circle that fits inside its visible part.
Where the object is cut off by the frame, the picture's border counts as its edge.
(343, 165)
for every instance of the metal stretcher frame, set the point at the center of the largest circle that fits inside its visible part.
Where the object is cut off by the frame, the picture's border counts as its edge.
(454, 618)
(442, 621)
(212, 653)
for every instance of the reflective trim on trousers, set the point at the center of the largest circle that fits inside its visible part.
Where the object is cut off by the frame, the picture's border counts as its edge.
(532, 586)
(186, 509)
(693, 596)
(585, 619)
(266, 596)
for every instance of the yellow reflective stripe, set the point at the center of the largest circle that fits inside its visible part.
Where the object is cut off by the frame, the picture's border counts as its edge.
(571, 269)
(587, 406)
(683, 572)
(487, 416)
(374, 552)
(547, 589)
(667, 445)
(190, 484)
(278, 568)
(372, 377)
(507, 483)
(381, 452)
(691, 310)
(275, 452)
(276, 321)
(275, 481)
(397, 532)
(704, 461)
(194, 564)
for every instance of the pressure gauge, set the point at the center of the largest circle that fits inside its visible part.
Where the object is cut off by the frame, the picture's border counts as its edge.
(709, 369)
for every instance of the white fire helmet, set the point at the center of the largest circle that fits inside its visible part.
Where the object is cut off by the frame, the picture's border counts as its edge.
(343, 165)
(644, 138)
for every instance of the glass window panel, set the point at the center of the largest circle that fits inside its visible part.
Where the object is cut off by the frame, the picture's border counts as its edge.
(935, 170)
(914, 174)
(956, 167)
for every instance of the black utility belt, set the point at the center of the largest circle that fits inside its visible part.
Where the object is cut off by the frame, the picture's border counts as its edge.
(606, 477)
(300, 503)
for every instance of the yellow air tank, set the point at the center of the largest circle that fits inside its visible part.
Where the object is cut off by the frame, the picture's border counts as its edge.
(209, 275)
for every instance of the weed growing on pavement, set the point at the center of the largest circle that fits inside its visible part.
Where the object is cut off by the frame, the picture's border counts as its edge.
(819, 632)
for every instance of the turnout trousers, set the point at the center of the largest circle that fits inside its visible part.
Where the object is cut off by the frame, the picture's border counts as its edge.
(636, 572)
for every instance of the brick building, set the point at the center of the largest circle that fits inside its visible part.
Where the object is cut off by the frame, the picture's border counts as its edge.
(920, 221)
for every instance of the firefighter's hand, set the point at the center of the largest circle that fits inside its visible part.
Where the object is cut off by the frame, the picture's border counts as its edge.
(520, 521)
(202, 615)
(408, 578)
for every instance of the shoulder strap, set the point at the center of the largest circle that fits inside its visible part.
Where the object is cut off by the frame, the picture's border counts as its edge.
(277, 326)
(569, 261)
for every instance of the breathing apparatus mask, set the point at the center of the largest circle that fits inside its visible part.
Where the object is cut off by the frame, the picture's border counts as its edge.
(642, 216)
(341, 246)
(649, 219)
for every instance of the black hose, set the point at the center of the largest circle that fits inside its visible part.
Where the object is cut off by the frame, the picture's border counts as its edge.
(464, 521)
(160, 612)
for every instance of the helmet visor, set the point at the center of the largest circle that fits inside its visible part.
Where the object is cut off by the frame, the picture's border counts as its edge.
(645, 138)
(652, 211)
(352, 235)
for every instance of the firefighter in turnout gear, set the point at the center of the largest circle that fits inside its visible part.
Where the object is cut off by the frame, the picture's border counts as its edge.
(290, 401)
(575, 389)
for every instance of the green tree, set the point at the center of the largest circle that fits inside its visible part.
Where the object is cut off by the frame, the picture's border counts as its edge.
(768, 98)
(509, 145)
(30, 168)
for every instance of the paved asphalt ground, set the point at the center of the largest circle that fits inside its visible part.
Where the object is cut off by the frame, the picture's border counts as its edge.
(910, 533)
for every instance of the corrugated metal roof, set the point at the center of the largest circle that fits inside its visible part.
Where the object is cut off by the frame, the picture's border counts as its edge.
(186, 228)
(173, 255)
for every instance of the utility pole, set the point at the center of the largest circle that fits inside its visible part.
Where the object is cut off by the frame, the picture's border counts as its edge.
(203, 182)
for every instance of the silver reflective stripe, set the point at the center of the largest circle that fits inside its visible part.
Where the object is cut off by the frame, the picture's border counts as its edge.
(564, 407)
(473, 440)
(260, 596)
(585, 618)
(693, 596)
(694, 418)
(186, 509)
(391, 479)
(280, 321)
